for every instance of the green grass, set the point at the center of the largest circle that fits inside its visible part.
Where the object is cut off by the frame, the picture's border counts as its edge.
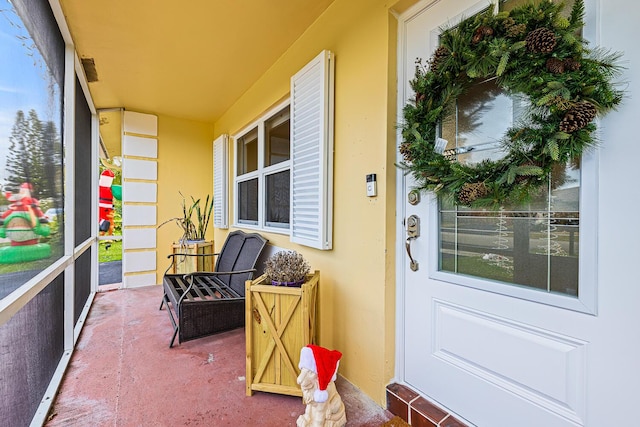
(113, 253)
(476, 266)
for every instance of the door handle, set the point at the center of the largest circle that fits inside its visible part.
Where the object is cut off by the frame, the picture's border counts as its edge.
(413, 264)
(413, 232)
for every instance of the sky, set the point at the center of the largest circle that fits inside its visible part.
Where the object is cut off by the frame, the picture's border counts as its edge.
(23, 79)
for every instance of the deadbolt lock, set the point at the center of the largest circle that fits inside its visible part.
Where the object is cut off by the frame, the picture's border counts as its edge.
(413, 226)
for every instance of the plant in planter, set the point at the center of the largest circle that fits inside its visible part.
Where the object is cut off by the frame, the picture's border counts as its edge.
(287, 268)
(193, 228)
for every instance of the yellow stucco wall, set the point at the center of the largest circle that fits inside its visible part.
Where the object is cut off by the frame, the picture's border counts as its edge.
(185, 165)
(357, 289)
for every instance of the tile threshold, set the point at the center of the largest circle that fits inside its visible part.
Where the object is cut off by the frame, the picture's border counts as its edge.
(417, 410)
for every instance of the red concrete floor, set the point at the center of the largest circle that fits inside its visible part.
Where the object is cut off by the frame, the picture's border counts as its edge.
(123, 374)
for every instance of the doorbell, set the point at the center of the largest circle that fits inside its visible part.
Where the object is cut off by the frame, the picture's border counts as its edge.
(372, 189)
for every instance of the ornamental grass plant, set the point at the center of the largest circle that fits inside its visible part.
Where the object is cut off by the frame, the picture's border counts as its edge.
(194, 220)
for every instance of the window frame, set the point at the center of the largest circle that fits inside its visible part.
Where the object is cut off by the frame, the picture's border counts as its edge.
(260, 174)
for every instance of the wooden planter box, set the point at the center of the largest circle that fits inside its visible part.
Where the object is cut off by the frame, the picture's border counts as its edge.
(279, 322)
(189, 264)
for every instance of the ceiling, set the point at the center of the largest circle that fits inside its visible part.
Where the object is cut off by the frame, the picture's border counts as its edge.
(190, 59)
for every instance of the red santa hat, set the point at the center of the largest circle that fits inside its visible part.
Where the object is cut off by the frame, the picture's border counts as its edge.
(25, 189)
(324, 363)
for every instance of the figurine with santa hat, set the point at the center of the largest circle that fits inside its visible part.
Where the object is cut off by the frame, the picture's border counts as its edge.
(318, 371)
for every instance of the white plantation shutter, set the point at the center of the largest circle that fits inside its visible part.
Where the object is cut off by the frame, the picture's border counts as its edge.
(312, 153)
(220, 186)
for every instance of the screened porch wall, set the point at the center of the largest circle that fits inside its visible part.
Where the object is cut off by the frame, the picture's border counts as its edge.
(36, 340)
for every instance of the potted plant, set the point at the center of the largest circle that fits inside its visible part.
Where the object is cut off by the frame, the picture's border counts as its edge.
(286, 268)
(194, 220)
(193, 223)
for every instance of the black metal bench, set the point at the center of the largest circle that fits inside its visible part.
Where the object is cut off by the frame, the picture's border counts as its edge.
(204, 303)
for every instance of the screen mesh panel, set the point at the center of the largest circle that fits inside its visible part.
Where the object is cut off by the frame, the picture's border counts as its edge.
(83, 283)
(83, 219)
(31, 346)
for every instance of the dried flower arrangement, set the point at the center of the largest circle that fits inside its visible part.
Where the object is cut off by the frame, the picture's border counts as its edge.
(286, 268)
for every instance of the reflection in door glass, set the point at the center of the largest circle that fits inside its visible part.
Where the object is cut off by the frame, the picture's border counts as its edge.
(533, 245)
(31, 198)
(536, 248)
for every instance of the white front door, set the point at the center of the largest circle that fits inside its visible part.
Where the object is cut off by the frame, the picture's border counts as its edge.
(494, 353)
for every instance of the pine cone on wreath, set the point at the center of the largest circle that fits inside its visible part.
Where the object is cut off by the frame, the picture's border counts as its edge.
(541, 40)
(481, 32)
(516, 30)
(470, 192)
(405, 150)
(571, 64)
(578, 117)
(555, 65)
(438, 58)
(513, 29)
(508, 23)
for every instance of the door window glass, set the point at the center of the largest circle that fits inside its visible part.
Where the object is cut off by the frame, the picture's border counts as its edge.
(533, 245)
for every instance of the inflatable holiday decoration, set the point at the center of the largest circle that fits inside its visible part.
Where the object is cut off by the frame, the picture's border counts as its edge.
(23, 224)
(107, 192)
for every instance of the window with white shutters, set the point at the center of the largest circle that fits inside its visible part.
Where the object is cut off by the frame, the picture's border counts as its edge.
(220, 188)
(312, 153)
(284, 162)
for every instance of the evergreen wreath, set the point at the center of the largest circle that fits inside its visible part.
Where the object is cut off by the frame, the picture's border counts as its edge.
(532, 50)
